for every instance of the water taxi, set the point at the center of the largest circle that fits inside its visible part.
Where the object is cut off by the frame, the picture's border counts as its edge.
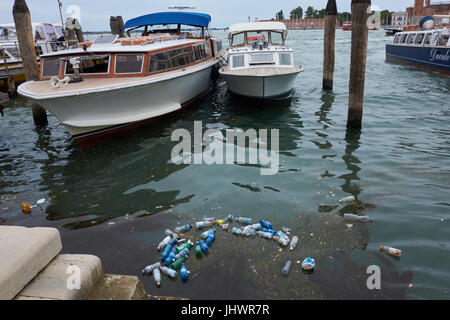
(117, 83)
(259, 64)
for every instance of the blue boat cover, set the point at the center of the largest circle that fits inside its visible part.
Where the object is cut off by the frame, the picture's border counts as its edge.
(187, 18)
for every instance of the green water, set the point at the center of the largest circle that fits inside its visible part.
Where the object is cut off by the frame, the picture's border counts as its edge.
(116, 199)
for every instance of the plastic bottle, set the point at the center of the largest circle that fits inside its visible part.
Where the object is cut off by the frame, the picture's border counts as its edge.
(209, 219)
(265, 224)
(273, 232)
(166, 252)
(294, 242)
(198, 251)
(230, 217)
(148, 269)
(177, 264)
(184, 273)
(282, 241)
(236, 231)
(170, 257)
(187, 245)
(171, 233)
(184, 228)
(205, 234)
(308, 264)
(248, 231)
(286, 230)
(282, 235)
(244, 220)
(225, 226)
(203, 224)
(347, 199)
(392, 251)
(182, 253)
(157, 277)
(170, 272)
(164, 242)
(286, 268)
(355, 218)
(256, 226)
(263, 234)
(204, 246)
(210, 239)
(220, 222)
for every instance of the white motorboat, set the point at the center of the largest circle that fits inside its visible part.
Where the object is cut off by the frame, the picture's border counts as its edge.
(259, 64)
(130, 80)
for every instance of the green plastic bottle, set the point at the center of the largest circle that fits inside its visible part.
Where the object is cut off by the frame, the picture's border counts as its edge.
(184, 245)
(177, 264)
(198, 251)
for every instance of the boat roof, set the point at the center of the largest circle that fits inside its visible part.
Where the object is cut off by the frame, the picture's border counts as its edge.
(257, 26)
(187, 18)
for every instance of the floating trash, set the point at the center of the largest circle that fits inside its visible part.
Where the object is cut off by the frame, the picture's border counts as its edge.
(286, 268)
(184, 273)
(171, 233)
(347, 199)
(287, 230)
(356, 218)
(204, 246)
(198, 251)
(26, 208)
(148, 269)
(265, 224)
(203, 224)
(236, 231)
(168, 271)
(294, 242)
(184, 228)
(225, 226)
(157, 277)
(392, 251)
(308, 264)
(244, 220)
(164, 243)
(166, 252)
(262, 234)
(177, 263)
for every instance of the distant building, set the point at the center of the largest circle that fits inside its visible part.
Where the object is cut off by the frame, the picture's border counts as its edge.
(399, 19)
(428, 9)
(303, 24)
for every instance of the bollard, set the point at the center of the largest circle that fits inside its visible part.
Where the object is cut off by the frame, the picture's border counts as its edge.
(24, 32)
(328, 44)
(360, 36)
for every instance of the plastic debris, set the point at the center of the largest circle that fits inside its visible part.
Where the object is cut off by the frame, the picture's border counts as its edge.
(164, 242)
(392, 251)
(286, 268)
(265, 224)
(177, 264)
(256, 226)
(282, 241)
(184, 273)
(205, 234)
(347, 199)
(273, 232)
(287, 230)
(203, 224)
(308, 264)
(187, 245)
(170, 272)
(294, 242)
(157, 277)
(244, 220)
(184, 228)
(230, 217)
(198, 251)
(263, 234)
(182, 253)
(248, 231)
(170, 257)
(148, 269)
(166, 252)
(209, 240)
(225, 226)
(236, 231)
(204, 246)
(220, 221)
(356, 218)
(26, 208)
(171, 233)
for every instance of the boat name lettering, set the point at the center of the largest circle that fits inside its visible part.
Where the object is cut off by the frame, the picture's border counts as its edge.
(439, 57)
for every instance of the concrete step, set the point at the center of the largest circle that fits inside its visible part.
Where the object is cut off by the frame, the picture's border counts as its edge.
(118, 287)
(24, 252)
(67, 277)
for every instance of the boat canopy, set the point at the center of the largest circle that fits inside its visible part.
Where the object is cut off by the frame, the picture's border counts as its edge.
(186, 18)
(257, 26)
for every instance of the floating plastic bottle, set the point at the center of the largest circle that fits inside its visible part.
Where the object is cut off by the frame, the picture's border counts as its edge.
(220, 221)
(182, 253)
(177, 263)
(265, 224)
(347, 199)
(286, 230)
(244, 220)
(187, 245)
(184, 228)
(263, 234)
(355, 218)
(248, 231)
(210, 239)
(198, 251)
(148, 269)
(157, 277)
(209, 219)
(205, 234)
(286, 268)
(282, 235)
(166, 252)
(164, 243)
(225, 226)
(256, 226)
(392, 251)
(203, 224)
(184, 273)
(170, 272)
(204, 246)
(230, 217)
(236, 231)
(308, 264)
(170, 257)
(293, 243)
(282, 241)
(171, 233)
(273, 232)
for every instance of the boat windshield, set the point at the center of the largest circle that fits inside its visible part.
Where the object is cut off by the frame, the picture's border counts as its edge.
(255, 38)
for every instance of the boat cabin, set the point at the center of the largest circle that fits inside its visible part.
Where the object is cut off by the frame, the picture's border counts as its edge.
(423, 38)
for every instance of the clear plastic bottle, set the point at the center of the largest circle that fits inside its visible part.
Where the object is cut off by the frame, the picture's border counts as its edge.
(166, 252)
(392, 251)
(282, 235)
(256, 226)
(184, 273)
(225, 226)
(205, 234)
(148, 269)
(170, 272)
(171, 233)
(203, 224)
(265, 224)
(248, 231)
(293, 243)
(157, 277)
(230, 217)
(244, 220)
(263, 234)
(347, 199)
(282, 241)
(355, 218)
(184, 228)
(236, 231)
(182, 253)
(209, 219)
(286, 268)
(164, 242)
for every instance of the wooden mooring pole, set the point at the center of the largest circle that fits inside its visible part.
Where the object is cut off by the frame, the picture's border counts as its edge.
(360, 37)
(9, 79)
(328, 45)
(24, 31)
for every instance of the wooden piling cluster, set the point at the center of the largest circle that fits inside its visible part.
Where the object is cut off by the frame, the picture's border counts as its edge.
(329, 45)
(24, 31)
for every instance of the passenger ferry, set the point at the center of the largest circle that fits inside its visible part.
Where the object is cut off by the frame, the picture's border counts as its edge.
(425, 49)
(118, 83)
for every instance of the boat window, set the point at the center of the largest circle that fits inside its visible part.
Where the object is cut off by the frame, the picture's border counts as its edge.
(238, 61)
(188, 55)
(159, 61)
(238, 40)
(276, 37)
(396, 38)
(51, 67)
(403, 39)
(96, 64)
(13, 51)
(39, 35)
(443, 40)
(411, 38)
(38, 50)
(285, 59)
(419, 38)
(427, 38)
(129, 63)
(257, 37)
(203, 51)
(177, 58)
(197, 53)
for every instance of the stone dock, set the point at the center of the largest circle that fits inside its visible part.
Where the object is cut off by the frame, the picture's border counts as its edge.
(31, 268)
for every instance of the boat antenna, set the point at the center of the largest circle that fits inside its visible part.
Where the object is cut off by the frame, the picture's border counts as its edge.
(60, 12)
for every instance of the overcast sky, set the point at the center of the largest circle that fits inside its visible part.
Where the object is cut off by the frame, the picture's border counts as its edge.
(95, 13)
